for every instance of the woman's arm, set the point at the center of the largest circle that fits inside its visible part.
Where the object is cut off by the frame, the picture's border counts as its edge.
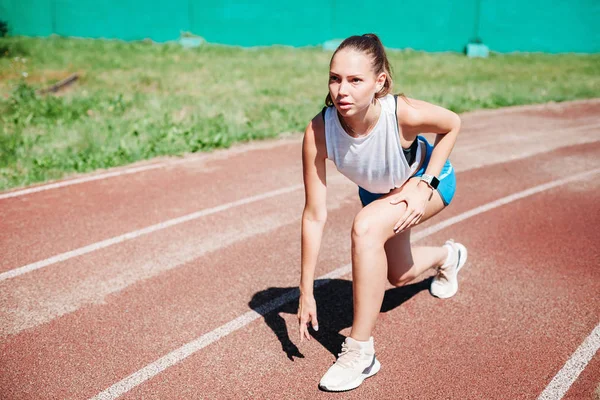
(314, 154)
(417, 116)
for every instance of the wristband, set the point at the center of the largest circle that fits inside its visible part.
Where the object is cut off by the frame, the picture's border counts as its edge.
(430, 180)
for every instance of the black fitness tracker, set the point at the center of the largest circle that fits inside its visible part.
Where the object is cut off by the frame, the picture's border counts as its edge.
(430, 180)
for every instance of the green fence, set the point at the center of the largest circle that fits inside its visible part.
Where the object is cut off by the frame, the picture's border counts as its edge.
(434, 25)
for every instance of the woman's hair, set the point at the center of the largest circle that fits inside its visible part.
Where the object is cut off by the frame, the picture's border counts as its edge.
(370, 45)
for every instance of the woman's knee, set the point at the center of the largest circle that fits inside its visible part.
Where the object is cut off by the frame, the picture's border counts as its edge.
(365, 230)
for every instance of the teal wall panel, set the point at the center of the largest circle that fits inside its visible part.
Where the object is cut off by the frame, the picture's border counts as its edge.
(262, 22)
(540, 25)
(127, 19)
(434, 25)
(28, 17)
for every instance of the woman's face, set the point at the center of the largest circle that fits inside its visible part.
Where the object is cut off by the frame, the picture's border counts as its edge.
(352, 82)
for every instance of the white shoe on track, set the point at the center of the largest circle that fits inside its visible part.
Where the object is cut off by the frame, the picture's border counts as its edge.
(445, 283)
(355, 363)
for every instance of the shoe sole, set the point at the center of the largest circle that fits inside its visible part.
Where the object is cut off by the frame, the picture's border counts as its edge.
(463, 259)
(356, 383)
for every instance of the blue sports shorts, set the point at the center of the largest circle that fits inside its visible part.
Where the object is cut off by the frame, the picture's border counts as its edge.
(446, 188)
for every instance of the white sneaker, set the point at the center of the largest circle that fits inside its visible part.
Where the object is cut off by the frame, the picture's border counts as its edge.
(445, 283)
(355, 363)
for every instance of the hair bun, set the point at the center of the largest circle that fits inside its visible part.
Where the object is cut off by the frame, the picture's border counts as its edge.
(370, 35)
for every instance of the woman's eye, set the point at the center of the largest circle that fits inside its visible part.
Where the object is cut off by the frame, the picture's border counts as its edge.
(355, 80)
(333, 78)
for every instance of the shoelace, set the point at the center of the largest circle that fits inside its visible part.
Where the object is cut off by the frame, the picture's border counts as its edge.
(441, 274)
(346, 359)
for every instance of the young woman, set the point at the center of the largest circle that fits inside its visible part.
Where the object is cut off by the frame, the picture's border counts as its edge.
(373, 139)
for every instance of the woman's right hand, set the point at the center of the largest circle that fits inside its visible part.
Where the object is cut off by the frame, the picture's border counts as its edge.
(307, 314)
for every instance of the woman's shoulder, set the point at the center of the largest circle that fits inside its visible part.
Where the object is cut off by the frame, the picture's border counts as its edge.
(408, 108)
(315, 131)
(317, 123)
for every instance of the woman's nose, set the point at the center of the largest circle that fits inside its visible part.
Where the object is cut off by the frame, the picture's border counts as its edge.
(342, 89)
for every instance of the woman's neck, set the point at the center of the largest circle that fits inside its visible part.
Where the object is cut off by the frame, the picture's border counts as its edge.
(361, 124)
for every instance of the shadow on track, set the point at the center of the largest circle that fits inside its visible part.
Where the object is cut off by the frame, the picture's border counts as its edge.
(334, 310)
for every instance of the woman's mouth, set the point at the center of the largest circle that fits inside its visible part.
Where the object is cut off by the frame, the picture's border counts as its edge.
(344, 106)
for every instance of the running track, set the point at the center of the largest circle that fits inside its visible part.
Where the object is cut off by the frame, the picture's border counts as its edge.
(177, 278)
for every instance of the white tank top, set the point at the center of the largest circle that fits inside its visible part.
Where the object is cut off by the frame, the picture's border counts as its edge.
(374, 162)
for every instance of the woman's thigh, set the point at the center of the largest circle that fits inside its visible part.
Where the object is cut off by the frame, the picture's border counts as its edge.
(398, 247)
(379, 217)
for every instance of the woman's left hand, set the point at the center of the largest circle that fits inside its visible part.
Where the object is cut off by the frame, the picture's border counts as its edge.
(416, 198)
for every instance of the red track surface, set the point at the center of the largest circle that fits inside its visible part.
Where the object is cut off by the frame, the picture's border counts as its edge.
(528, 295)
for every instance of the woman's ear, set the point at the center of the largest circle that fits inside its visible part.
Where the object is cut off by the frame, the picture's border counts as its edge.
(381, 81)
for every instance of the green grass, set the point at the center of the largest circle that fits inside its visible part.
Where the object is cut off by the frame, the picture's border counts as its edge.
(140, 100)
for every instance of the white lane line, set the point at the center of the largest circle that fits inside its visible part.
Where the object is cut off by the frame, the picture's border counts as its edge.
(522, 136)
(83, 180)
(156, 367)
(550, 106)
(134, 170)
(504, 200)
(144, 231)
(563, 380)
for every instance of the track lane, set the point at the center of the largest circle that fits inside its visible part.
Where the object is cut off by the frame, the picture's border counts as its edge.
(41, 296)
(524, 306)
(42, 225)
(99, 339)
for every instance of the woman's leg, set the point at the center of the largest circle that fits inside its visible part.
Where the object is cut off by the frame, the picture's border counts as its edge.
(369, 270)
(405, 262)
(372, 228)
(371, 231)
